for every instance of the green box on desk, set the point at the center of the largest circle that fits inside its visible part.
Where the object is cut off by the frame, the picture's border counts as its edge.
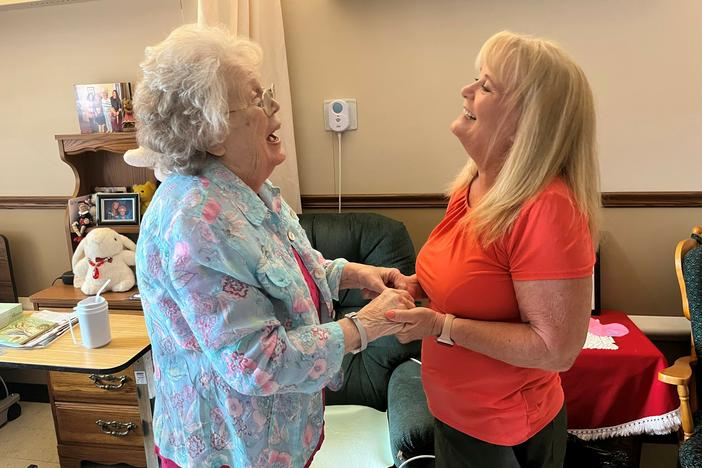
(9, 312)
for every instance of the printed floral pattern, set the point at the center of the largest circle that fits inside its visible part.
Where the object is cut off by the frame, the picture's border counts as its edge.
(239, 351)
(234, 287)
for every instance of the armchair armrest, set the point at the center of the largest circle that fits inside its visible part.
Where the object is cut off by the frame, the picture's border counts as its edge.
(410, 423)
(679, 373)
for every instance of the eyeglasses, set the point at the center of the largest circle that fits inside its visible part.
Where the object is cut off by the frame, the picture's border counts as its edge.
(265, 102)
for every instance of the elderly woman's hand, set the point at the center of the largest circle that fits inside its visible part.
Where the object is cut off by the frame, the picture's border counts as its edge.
(412, 286)
(371, 279)
(372, 316)
(417, 323)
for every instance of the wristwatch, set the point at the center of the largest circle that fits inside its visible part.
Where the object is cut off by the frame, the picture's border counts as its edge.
(445, 337)
(353, 316)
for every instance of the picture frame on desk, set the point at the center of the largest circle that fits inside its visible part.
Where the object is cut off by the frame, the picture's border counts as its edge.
(118, 209)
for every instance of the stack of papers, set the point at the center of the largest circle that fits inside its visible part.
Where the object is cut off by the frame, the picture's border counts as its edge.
(9, 312)
(34, 330)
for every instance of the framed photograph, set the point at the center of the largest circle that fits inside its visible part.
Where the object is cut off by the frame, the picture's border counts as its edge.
(102, 107)
(117, 209)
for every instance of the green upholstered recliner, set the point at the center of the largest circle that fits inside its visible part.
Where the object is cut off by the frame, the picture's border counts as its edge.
(688, 266)
(383, 376)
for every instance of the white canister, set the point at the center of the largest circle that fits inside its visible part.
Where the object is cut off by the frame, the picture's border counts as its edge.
(94, 321)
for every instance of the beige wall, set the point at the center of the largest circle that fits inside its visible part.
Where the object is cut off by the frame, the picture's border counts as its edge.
(45, 51)
(404, 60)
(638, 275)
(37, 245)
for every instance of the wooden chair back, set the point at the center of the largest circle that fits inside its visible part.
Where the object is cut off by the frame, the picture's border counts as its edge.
(8, 291)
(682, 373)
(690, 404)
(683, 247)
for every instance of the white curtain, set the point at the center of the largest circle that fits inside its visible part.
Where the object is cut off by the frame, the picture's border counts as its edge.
(262, 21)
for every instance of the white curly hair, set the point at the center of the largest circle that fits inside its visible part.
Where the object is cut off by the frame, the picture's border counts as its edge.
(182, 102)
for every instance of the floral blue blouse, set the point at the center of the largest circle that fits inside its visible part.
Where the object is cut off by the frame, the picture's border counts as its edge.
(240, 357)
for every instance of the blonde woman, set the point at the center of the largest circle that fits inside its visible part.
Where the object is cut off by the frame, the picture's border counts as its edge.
(508, 270)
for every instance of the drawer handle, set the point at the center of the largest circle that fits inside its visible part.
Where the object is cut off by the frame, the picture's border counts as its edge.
(99, 378)
(115, 428)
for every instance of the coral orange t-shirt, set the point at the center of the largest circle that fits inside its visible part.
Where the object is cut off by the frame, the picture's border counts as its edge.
(480, 396)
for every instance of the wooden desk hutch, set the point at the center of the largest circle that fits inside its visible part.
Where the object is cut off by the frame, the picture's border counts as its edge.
(97, 161)
(96, 417)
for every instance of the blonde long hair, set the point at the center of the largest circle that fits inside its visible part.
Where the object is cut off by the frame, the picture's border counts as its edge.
(555, 134)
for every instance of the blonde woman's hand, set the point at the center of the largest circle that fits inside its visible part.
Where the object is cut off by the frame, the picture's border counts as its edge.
(412, 286)
(372, 316)
(417, 323)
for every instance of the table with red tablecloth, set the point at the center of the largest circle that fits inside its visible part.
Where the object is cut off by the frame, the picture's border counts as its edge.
(611, 393)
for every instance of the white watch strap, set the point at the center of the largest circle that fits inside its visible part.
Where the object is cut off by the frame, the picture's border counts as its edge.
(361, 331)
(445, 337)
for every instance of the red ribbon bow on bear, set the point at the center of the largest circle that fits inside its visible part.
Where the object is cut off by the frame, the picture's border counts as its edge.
(99, 261)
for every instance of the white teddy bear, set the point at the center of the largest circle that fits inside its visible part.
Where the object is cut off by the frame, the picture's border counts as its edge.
(103, 254)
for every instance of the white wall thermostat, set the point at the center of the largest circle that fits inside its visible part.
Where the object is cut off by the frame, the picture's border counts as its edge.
(340, 115)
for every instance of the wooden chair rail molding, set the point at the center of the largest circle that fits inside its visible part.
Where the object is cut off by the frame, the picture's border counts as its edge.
(33, 203)
(437, 200)
(404, 200)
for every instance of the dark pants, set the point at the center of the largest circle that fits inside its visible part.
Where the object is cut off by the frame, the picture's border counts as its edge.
(545, 449)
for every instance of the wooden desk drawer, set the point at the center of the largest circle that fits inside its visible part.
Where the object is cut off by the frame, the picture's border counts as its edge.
(78, 387)
(77, 423)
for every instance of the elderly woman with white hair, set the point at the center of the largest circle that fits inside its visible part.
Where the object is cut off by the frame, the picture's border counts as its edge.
(233, 293)
(508, 270)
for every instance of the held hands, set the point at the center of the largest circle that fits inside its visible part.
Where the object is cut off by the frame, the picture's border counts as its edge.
(412, 286)
(371, 279)
(417, 323)
(374, 280)
(373, 315)
(393, 310)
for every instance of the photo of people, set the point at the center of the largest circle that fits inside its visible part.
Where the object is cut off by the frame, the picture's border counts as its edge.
(122, 208)
(118, 210)
(101, 106)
